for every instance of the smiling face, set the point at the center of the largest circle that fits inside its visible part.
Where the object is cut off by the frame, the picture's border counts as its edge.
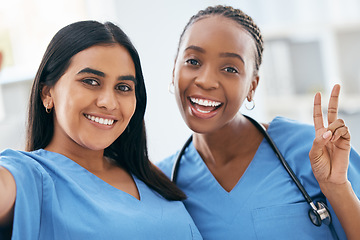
(94, 100)
(214, 73)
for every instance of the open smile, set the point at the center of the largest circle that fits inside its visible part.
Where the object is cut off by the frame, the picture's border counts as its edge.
(204, 108)
(104, 121)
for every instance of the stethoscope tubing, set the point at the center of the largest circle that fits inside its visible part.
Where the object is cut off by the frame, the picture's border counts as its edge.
(282, 160)
(261, 128)
(316, 214)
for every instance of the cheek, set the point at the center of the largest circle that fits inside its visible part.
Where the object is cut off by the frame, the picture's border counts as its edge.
(182, 79)
(129, 106)
(236, 96)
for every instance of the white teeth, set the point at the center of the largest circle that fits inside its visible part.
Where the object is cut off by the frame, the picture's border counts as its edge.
(205, 103)
(203, 111)
(103, 121)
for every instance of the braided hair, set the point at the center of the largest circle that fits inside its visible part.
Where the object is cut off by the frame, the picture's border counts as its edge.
(238, 16)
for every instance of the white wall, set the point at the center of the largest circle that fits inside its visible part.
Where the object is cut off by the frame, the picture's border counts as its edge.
(155, 27)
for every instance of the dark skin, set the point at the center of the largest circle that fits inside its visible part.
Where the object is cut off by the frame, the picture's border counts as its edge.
(207, 70)
(213, 75)
(227, 160)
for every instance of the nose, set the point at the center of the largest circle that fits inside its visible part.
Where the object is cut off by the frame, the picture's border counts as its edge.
(207, 79)
(107, 99)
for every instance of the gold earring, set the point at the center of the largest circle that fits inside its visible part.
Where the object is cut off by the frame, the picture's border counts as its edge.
(47, 109)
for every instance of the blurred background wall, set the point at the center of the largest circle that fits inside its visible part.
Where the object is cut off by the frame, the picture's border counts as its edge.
(309, 46)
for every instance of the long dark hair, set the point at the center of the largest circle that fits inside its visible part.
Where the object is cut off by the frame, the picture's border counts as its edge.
(130, 149)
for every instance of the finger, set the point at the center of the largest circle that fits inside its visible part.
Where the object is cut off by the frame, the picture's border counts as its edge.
(341, 132)
(317, 112)
(333, 104)
(336, 124)
(318, 145)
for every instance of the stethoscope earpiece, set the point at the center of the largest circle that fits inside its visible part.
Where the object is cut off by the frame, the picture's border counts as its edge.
(319, 214)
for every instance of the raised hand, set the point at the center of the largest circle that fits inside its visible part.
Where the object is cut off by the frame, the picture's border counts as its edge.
(329, 155)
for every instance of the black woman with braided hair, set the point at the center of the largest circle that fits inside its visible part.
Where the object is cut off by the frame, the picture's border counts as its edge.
(243, 179)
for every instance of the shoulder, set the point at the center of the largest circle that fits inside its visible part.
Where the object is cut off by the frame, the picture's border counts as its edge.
(166, 164)
(21, 164)
(9, 155)
(283, 123)
(294, 140)
(290, 131)
(354, 171)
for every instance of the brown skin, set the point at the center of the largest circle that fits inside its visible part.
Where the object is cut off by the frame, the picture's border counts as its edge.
(77, 94)
(329, 157)
(77, 137)
(7, 183)
(220, 70)
(215, 64)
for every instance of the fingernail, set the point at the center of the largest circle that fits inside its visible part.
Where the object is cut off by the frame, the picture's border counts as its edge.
(327, 134)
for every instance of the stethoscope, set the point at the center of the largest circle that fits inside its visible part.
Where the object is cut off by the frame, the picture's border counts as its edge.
(318, 212)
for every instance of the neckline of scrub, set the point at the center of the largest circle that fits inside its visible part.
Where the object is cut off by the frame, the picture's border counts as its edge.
(252, 164)
(75, 166)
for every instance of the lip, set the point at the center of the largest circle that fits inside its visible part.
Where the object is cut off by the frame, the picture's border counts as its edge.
(101, 120)
(210, 103)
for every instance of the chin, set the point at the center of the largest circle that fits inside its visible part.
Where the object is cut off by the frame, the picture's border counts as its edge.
(97, 146)
(200, 128)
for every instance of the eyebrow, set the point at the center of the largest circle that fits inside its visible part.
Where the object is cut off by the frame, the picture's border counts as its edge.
(128, 78)
(224, 54)
(92, 71)
(196, 48)
(101, 74)
(232, 55)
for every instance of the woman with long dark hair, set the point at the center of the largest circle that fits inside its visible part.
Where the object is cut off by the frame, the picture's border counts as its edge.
(85, 173)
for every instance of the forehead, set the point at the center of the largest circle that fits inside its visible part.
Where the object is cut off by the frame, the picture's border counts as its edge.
(219, 33)
(106, 57)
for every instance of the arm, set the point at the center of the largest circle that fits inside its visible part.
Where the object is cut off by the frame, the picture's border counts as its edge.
(329, 157)
(7, 196)
(7, 190)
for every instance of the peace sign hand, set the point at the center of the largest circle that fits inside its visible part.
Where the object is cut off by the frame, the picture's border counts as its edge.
(329, 155)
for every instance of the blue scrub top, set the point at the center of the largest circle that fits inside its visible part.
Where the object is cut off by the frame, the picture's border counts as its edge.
(58, 199)
(265, 203)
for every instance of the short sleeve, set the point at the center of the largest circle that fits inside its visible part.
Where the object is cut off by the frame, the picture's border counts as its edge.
(27, 174)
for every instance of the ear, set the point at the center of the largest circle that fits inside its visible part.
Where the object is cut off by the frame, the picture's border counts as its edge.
(173, 76)
(253, 85)
(173, 71)
(46, 96)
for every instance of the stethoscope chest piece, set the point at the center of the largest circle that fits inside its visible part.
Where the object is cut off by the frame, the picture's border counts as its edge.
(319, 214)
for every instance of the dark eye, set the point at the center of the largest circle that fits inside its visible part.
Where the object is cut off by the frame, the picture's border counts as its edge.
(192, 62)
(123, 88)
(230, 70)
(91, 82)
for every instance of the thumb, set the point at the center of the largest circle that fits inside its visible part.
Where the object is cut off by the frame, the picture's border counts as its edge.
(318, 145)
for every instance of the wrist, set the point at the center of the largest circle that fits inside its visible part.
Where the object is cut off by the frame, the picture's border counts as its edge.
(336, 190)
